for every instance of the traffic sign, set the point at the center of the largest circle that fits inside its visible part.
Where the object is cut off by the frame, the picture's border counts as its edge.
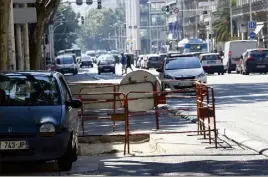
(176, 10)
(252, 24)
(252, 35)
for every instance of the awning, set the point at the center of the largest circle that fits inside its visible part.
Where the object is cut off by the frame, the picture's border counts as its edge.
(258, 28)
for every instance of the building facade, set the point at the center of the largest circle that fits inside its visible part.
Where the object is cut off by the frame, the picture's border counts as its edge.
(241, 16)
(150, 20)
(189, 19)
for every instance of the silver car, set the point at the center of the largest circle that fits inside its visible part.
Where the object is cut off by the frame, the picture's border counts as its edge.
(181, 73)
(66, 64)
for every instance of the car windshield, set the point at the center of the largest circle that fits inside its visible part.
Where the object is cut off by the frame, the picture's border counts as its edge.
(65, 60)
(28, 90)
(86, 58)
(210, 57)
(182, 63)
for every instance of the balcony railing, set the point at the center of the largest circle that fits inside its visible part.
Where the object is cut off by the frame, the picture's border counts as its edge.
(257, 6)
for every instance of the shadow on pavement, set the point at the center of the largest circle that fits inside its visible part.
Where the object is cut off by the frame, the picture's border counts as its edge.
(191, 167)
(240, 93)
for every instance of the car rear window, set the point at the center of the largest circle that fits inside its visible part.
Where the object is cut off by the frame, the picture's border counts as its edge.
(65, 60)
(154, 58)
(259, 54)
(28, 90)
(210, 57)
(107, 62)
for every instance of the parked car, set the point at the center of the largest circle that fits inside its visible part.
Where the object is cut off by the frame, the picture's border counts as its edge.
(253, 61)
(233, 51)
(117, 58)
(181, 73)
(39, 119)
(86, 61)
(212, 63)
(152, 61)
(106, 63)
(66, 64)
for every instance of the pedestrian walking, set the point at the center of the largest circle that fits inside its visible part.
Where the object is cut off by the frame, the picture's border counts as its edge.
(124, 63)
(128, 63)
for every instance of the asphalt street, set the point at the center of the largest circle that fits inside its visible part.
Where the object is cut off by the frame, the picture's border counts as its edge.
(241, 100)
(241, 105)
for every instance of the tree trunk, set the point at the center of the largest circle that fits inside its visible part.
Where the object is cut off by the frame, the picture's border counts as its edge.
(43, 9)
(35, 43)
(11, 41)
(4, 29)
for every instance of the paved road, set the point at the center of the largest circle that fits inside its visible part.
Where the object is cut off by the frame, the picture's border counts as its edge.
(242, 101)
(241, 106)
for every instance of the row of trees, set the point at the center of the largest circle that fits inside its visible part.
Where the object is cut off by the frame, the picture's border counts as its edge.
(45, 10)
(98, 28)
(66, 24)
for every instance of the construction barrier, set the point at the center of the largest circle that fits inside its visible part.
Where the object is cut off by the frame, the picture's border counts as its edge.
(107, 98)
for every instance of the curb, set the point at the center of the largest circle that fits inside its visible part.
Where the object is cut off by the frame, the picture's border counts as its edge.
(257, 146)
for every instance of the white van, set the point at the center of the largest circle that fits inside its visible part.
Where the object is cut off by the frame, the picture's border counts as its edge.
(233, 51)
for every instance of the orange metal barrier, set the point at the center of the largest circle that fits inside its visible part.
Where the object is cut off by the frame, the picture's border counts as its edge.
(205, 111)
(204, 100)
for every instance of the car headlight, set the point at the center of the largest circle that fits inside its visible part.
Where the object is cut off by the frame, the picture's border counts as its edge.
(47, 128)
(200, 75)
(168, 77)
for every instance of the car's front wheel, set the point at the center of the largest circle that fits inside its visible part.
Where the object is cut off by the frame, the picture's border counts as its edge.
(65, 163)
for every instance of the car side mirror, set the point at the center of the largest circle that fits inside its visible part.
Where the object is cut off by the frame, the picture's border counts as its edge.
(160, 70)
(75, 103)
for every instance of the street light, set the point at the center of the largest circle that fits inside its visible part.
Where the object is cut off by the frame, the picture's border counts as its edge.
(51, 39)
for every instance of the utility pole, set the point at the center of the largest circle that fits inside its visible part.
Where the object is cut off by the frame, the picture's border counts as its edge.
(231, 17)
(51, 41)
(210, 27)
(26, 44)
(196, 20)
(250, 10)
(182, 16)
(150, 29)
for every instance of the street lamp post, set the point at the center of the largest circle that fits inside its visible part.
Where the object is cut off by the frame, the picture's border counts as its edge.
(51, 39)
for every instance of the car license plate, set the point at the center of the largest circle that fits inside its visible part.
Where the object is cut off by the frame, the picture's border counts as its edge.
(211, 62)
(13, 145)
(185, 84)
(260, 66)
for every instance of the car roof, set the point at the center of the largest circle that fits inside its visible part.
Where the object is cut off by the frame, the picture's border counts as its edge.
(152, 55)
(181, 57)
(65, 55)
(249, 50)
(33, 73)
(205, 54)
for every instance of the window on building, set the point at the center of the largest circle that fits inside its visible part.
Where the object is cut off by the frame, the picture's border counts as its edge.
(157, 7)
(144, 21)
(158, 19)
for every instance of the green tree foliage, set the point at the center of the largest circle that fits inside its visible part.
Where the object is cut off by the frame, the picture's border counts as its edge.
(98, 27)
(66, 27)
(222, 25)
